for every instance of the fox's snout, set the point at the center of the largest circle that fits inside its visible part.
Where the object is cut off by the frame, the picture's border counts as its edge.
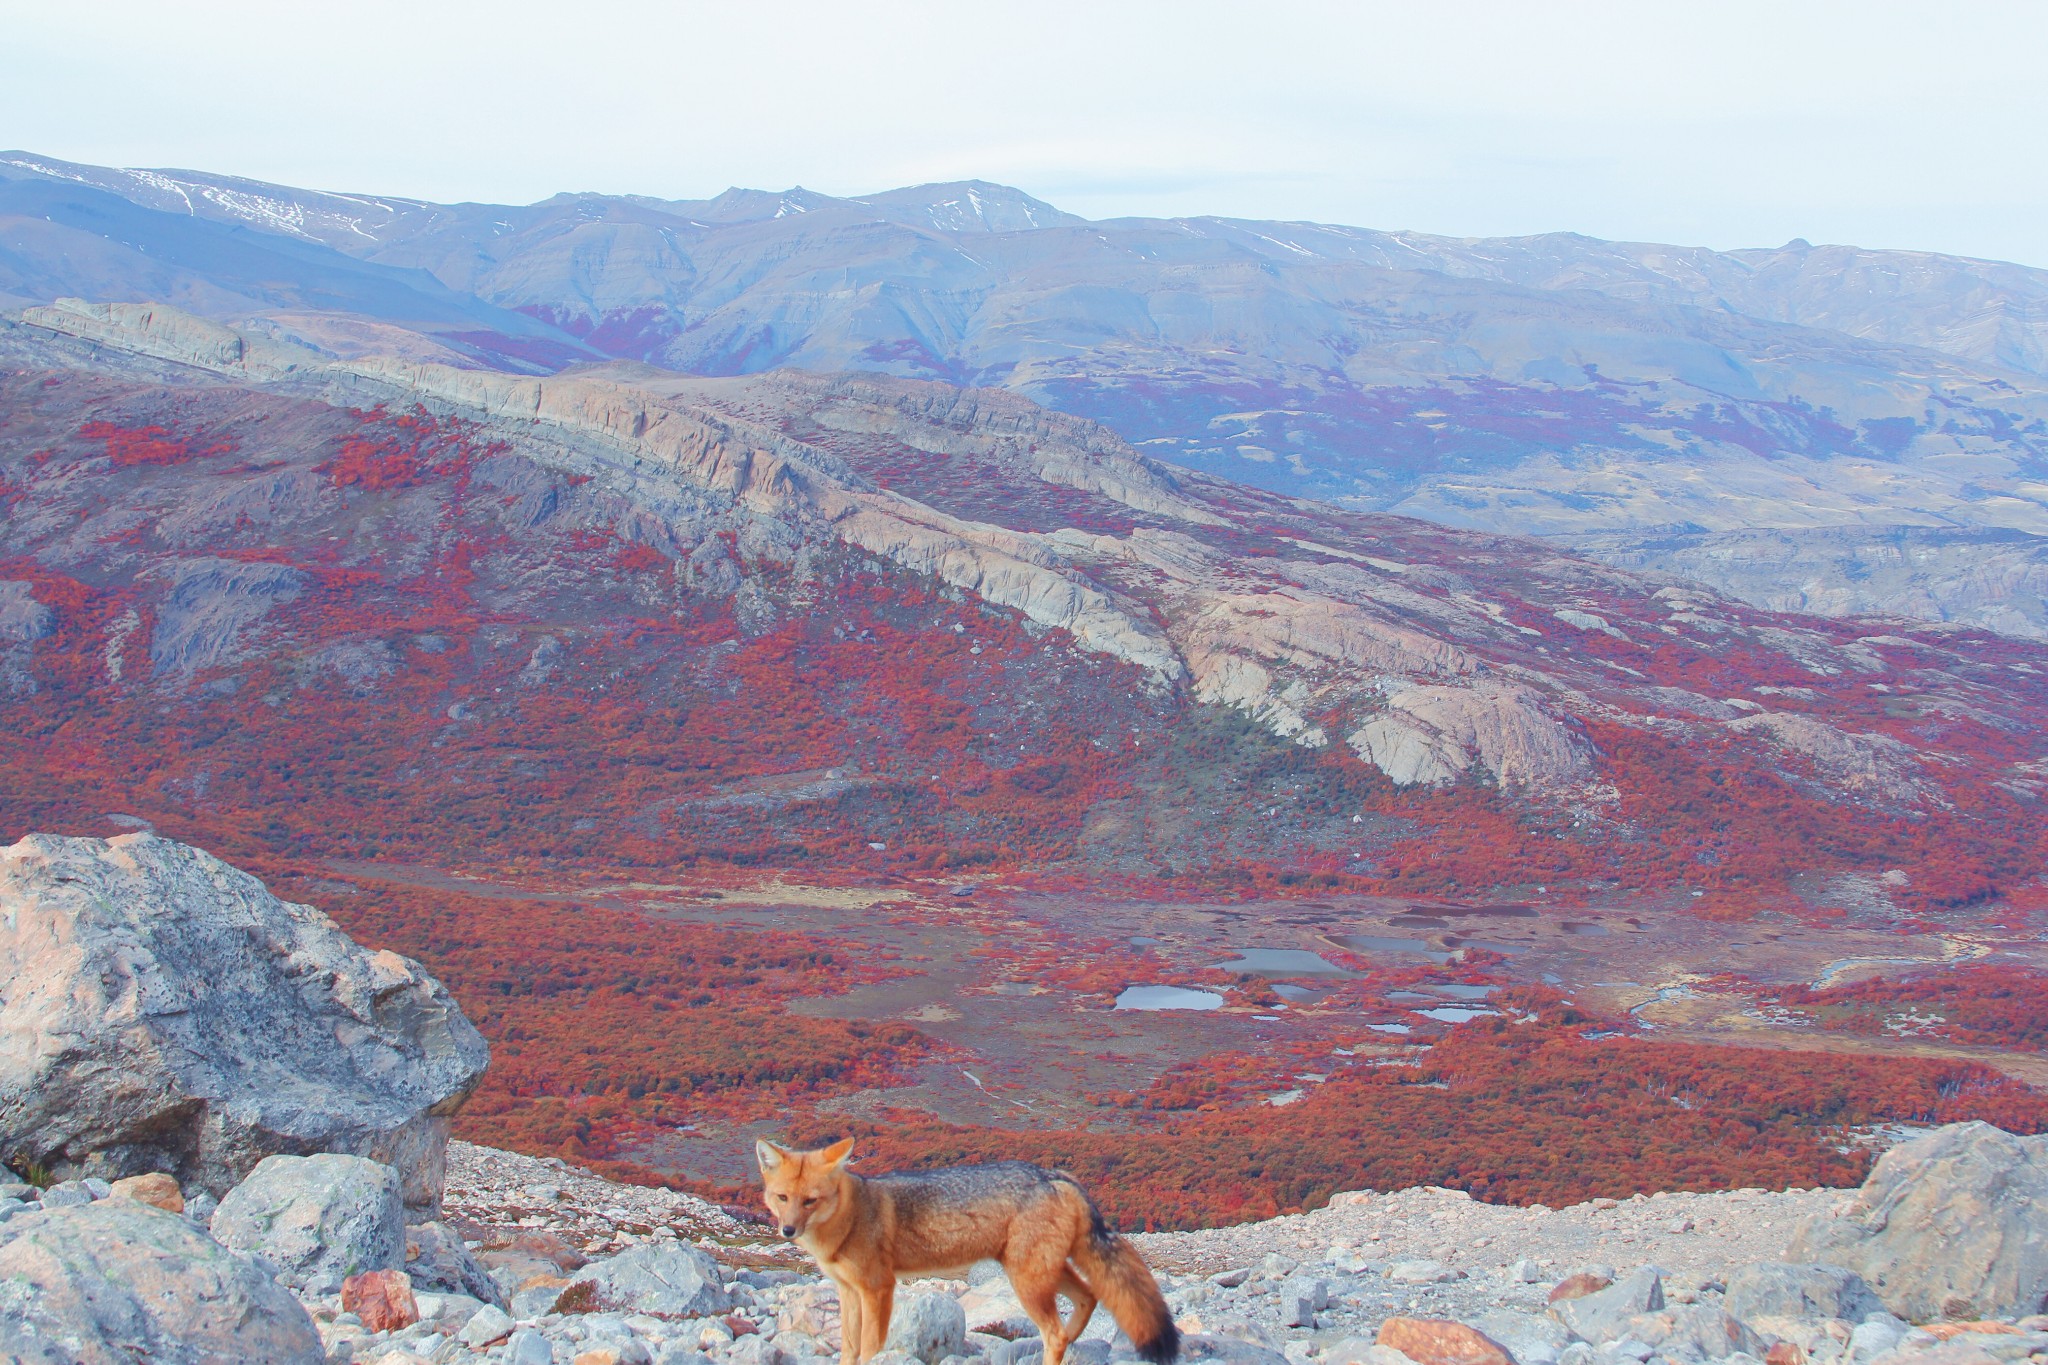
(789, 1229)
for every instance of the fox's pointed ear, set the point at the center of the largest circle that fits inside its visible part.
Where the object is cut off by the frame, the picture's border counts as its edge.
(769, 1155)
(837, 1153)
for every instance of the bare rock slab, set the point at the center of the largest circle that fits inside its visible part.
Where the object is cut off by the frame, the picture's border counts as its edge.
(160, 1011)
(118, 1281)
(1949, 1225)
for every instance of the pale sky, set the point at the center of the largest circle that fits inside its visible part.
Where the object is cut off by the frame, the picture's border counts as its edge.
(1721, 124)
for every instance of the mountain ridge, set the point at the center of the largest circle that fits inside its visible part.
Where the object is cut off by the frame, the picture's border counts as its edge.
(1599, 393)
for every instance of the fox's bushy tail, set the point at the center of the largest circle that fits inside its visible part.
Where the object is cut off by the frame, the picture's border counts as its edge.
(1124, 1284)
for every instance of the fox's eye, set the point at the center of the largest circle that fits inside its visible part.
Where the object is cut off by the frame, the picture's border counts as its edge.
(812, 1200)
(782, 1199)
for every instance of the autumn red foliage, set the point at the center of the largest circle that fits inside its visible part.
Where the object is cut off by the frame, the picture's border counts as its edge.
(1510, 1113)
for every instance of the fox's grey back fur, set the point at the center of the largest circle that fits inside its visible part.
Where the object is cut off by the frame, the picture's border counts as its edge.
(961, 1187)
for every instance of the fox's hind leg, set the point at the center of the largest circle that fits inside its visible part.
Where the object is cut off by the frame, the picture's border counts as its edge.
(1081, 1296)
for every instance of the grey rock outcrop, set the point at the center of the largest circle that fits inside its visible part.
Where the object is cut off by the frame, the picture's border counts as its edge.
(162, 1011)
(1950, 1225)
(118, 1281)
(663, 1281)
(318, 1219)
(1771, 1289)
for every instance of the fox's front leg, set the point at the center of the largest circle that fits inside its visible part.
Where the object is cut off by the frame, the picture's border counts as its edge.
(877, 1302)
(849, 1323)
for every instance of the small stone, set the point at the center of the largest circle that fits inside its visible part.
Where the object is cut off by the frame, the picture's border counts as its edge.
(1230, 1279)
(1604, 1314)
(96, 1187)
(1421, 1272)
(1784, 1353)
(488, 1324)
(1434, 1341)
(1606, 1203)
(1525, 1271)
(382, 1299)
(528, 1347)
(1578, 1286)
(1871, 1339)
(67, 1194)
(156, 1189)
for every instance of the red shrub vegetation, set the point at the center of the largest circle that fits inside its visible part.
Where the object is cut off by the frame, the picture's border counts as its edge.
(151, 444)
(1513, 1114)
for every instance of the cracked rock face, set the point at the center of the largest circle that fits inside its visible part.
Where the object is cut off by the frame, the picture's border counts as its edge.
(162, 1011)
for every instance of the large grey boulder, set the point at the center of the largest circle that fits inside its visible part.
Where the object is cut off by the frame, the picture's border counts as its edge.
(665, 1281)
(1950, 1225)
(161, 1011)
(119, 1281)
(318, 1219)
(929, 1327)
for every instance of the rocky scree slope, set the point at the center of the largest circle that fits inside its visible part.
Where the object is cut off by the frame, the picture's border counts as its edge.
(1428, 655)
(1555, 384)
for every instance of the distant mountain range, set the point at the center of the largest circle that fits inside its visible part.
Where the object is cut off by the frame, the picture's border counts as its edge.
(1825, 429)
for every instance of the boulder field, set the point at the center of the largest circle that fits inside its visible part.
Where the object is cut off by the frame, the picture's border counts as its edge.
(217, 1183)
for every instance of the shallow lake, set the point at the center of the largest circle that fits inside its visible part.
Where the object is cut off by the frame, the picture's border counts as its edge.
(1167, 998)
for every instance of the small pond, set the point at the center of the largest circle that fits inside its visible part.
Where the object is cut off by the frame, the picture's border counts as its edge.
(1372, 943)
(1281, 962)
(1167, 998)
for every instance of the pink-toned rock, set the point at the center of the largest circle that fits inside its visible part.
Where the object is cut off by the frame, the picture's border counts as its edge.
(1785, 1353)
(1578, 1286)
(1434, 1341)
(1944, 1330)
(155, 1189)
(381, 1298)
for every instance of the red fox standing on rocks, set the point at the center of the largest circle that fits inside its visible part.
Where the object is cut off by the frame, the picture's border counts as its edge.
(1039, 1224)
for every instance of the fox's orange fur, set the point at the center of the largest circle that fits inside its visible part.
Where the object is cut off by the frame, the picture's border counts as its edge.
(1040, 1225)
